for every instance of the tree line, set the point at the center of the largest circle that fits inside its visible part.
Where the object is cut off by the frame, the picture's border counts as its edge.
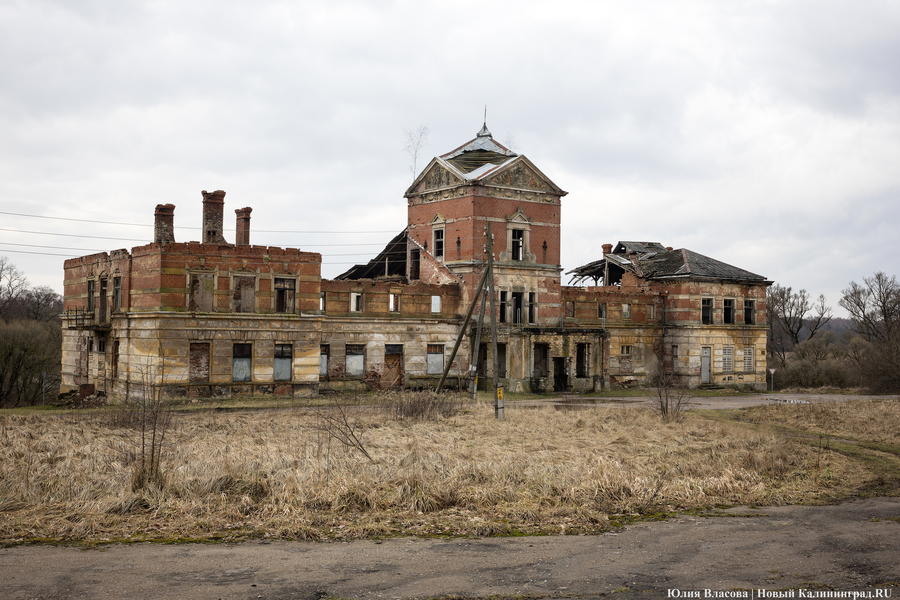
(30, 339)
(808, 352)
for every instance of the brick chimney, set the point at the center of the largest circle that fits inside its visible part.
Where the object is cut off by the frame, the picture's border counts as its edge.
(243, 226)
(213, 203)
(164, 224)
(607, 249)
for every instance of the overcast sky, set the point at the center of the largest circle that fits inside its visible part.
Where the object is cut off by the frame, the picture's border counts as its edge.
(763, 134)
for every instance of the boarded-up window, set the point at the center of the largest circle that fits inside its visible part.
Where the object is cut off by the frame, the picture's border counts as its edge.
(244, 298)
(202, 292)
(748, 360)
(581, 360)
(242, 362)
(541, 360)
(199, 361)
(283, 362)
(284, 295)
(393, 366)
(323, 360)
(435, 359)
(435, 304)
(355, 360)
(728, 359)
(625, 360)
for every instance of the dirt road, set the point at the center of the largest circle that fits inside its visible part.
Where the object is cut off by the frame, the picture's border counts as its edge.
(852, 546)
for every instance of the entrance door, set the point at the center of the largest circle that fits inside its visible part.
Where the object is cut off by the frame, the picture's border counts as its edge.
(705, 358)
(560, 381)
(393, 366)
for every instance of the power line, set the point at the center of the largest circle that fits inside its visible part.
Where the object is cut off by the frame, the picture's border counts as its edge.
(179, 227)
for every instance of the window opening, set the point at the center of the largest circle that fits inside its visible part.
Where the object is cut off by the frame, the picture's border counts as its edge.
(518, 244)
(284, 295)
(394, 303)
(322, 301)
(541, 360)
(439, 243)
(728, 359)
(748, 360)
(626, 350)
(570, 309)
(749, 309)
(199, 361)
(435, 304)
(90, 296)
(103, 284)
(706, 311)
(601, 311)
(435, 364)
(626, 311)
(356, 302)
(355, 360)
(244, 297)
(414, 264)
(117, 294)
(501, 361)
(532, 306)
(728, 306)
(283, 362)
(241, 365)
(503, 307)
(581, 360)
(323, 360)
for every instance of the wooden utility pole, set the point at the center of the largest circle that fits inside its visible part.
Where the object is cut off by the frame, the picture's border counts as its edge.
(462, 330)
(498, 391)
(476, 342)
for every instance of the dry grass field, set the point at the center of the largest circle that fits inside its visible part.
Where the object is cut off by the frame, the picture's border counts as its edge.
(286, 473)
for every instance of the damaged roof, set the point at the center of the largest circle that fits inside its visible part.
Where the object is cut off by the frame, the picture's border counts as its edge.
(651, 260)
(479, 156)
(390, 262)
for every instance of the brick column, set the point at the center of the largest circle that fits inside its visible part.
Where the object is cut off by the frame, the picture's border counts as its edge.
(164, 224)
(213, 203)
(243, 226)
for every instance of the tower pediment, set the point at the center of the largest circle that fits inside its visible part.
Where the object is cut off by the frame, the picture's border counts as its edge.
(523, 175)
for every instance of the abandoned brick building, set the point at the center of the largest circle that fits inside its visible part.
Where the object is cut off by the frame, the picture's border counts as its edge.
(211, 318)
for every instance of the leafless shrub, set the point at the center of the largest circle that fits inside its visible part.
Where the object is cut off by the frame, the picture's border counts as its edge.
(424, 405)
(672, 396)
(343, 423)
(151, 421)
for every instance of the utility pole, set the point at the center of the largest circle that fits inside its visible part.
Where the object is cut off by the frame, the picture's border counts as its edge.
(462, 330)
(498, 391)
(476, 342)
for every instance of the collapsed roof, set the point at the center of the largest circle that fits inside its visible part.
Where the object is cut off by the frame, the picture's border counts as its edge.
(390, 262)
(653, 261)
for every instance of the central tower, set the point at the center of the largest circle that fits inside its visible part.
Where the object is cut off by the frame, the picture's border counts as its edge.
(455, 197)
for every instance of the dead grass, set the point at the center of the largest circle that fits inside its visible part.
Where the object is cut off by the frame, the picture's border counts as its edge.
(275, 474)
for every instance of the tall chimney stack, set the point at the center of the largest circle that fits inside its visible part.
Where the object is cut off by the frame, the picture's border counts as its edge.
(164, 224)
(607, 249)
(243, 226)
(213, 203)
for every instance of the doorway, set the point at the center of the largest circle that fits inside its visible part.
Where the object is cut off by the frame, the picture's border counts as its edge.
(705, 364)
(560, 380)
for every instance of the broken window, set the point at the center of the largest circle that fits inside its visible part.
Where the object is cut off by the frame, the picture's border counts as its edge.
(356, 301)
(435, 365)
(749, 309)
(570, 309)
(241, 362)
(414, 264)
(532, 306)
(601, 311)
(706, 311)
(284, 295)
(748, 360)
(626, 351)
(728, 310)
(727, 359)
(283, 362)
(202, 292)
(435, 304)
(518, 244)
(541, 360)
(517, 306)
(394, 303)
(103, 315)
(90, 295)
(439, 243)
(626, 311)
(323, 360)
(243, 299)
(101, 345)
(117, 294)
(199, 361)
(503, 307)
(674, 353)
(581, 360)
(355, 360)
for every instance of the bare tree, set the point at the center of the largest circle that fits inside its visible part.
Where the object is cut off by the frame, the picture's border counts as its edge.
(12, 285)
(41, 303)
(875, 311)
(789, 310)
(416, 140)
